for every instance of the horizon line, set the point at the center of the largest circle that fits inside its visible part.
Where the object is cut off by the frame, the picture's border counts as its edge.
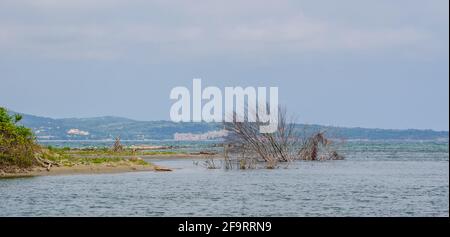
(168, 120)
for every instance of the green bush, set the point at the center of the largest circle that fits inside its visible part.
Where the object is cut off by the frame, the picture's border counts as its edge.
(17, 143)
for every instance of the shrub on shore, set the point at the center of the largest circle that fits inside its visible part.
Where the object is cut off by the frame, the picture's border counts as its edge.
(17, 143)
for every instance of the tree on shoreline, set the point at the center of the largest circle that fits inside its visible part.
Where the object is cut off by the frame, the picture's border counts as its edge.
(18, 146)
(17, 143)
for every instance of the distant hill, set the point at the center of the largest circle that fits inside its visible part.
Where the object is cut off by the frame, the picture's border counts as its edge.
(108, 127)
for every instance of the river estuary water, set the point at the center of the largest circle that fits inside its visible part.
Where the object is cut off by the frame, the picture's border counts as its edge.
(376, 179)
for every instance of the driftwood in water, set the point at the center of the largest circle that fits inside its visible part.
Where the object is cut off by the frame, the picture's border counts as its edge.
(162, 169)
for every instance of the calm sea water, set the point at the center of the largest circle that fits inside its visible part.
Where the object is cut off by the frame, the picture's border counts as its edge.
(376, 179)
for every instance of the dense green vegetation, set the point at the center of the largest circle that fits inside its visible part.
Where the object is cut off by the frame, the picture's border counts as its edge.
(17, 143)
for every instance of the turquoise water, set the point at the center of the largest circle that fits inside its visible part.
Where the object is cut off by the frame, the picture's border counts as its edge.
(376, 179)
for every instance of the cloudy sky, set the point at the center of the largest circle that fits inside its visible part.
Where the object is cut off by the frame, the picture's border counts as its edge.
(372, 63)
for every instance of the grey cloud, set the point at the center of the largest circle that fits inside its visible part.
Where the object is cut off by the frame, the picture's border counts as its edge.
(192, 28)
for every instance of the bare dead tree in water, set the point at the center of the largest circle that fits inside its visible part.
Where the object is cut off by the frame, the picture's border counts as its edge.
(270, 148)
(318, 147)
(284, 145)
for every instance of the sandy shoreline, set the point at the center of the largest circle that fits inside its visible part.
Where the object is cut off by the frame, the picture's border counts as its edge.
(106, 168)
(84, 169)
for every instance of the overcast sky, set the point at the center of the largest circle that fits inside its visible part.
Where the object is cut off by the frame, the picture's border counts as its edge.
(373, 63)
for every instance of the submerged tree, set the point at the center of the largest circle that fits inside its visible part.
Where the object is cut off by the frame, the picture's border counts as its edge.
(245, 137)
(318, 147)
(284, 145)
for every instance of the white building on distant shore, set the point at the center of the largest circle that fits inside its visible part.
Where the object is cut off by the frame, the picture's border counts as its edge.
(76, 131)
(212, 135)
